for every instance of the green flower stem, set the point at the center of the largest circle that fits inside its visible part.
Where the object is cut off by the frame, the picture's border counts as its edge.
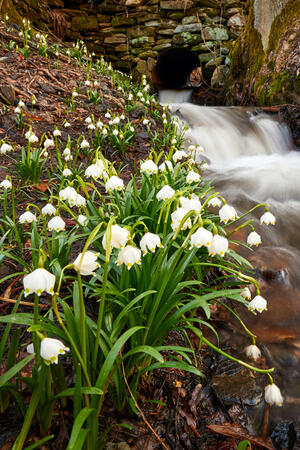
(58, 156)
(240, 227)
(83, 341)
(232, 358)
(248, 212)
(240, 320)
(5, 203)
(55, 309)
(215, 194)
(35, 338)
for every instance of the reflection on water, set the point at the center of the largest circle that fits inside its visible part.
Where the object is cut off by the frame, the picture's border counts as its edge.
(252, 160)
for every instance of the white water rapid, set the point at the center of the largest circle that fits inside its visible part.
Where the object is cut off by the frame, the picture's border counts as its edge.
(251, 159)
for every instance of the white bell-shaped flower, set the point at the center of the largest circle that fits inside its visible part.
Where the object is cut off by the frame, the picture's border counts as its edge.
(6, 184)
(5, 148)
(129, 256)
(227, 213)
(119, 237)
(252, 351)
(87, 264)
(69, 194)
(114, 183)
(83, 220)
(33, 138)
(190, 204)
(84, 144)
(218, 246)
(79, 200)
(94, 171)
(49, 210)
(56, 133)
(48, 143)
(57, 224)
(166, 166)
(246, 293)
(177, 216)
(67, 172)
(253, 239)
(149, 167)
(38, 281)
(268, 218)
(88, 120)
(215, 202)
(67, 151)
(178, 155)
(50, 349)
(150, 241)
(27, 217)
(202, 237)
(273, 395)
(258, 303)
(193, 177)
(165, 193)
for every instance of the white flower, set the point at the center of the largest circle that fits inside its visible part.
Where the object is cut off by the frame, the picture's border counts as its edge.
(83, 220)
(5, 148)
(67, 172)
(149, 167)
(202, 237)
(87, 83)
(107, 115)
(88, 120)
(192, 177)
(177, 217)
(50, 349)
(115, 132)
(48, 209)
(214, 202)
(165, 193)
(27, 217)
(91, 126)
(57, 224)
(178, 155)
(129, 255)
(119, 237)
(190, 204)
(84, 144)
(69, 194)
(227, 213)
(17, 110)
(87, 264)
(114, 182)
(149, 242)
(273, 395)
(116, 120)
(74, 94)
(6, 184)
(145, 122)
(21, 104)
(38, 281)
(104, 131)
(56, 133)
(67, 124)
(94, 170)
(99, 124)
(79, 200)
(204, 166)
(268, 218)
(68, 158)
(48, 143)
(132, 129)
(33, 138)
(253, 239)
(258, 303)
(166, 166)
(252, 351)
(246, 293)
(218, 246)
(122, 117)
(66, 151)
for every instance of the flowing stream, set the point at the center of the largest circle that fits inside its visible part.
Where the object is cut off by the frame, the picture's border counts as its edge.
(252, 159)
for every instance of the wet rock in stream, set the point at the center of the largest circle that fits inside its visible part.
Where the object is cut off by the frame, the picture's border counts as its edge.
(286, 435)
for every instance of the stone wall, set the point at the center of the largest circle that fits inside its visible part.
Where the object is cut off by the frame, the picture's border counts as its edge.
(132, 33)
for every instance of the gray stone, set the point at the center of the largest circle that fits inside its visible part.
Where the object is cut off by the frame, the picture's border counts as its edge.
(160, 47)
(141, 41)
(139, 31)
(214, 62)
(238, 20)
(191, 27)
(189, 19)
(166, 32)
(205, 57)
(176, 4)
(116, 39)
(121, 20)
(203, 47)
(186, 38)
(215, 33)
(220, 76)
(152, 23)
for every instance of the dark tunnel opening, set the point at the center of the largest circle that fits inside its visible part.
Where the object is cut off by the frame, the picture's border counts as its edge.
(173, 68)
